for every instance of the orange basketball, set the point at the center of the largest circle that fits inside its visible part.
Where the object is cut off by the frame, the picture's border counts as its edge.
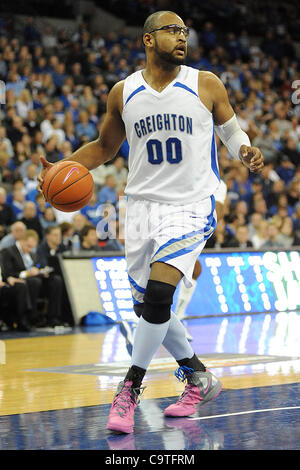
(68, 186)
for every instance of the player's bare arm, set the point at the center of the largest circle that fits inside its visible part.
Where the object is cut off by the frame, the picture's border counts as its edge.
(112, 135)
(214, 95)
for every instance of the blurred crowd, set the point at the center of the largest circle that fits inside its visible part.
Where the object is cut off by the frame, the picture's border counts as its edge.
(57, 83)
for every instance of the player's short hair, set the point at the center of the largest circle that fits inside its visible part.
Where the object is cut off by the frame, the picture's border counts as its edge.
(152, 20)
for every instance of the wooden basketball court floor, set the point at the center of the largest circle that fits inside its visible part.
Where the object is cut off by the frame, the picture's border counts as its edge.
(56, 388)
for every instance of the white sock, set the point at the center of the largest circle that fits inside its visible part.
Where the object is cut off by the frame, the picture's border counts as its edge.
(184, 297)
(147, 339)
(175, 340)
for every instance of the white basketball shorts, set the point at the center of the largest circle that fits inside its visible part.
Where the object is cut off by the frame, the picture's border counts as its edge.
(166, 233)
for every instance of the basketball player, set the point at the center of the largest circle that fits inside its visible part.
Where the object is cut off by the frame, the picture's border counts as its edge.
(185, 293)
(168, 113)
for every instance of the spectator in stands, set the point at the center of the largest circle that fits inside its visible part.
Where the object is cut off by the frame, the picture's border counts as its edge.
(24, 103)
(78, 222)
(7, 216)
(18, 203)
(282, 202)
(51, 150)
(119, 171)
(286, 237)
(84, 127)
(20, 261)
(48, 218)
(108, 195)
(30, 180)
(31, 220)
(272, 241)
(67, 231)
(89, 239)
(260, 236)
(241, 239)
(92, 211)
(14, 302)
(286, 169)
(253, 225)
(17, 232)
(5, 143)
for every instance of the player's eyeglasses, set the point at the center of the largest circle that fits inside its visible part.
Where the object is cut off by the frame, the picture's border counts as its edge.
(174, 29)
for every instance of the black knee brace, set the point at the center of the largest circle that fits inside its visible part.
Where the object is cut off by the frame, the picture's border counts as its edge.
(138, 309)
(158, 299)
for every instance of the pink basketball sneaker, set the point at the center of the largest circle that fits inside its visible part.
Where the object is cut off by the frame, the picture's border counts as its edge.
(121, 416)
(201, 387)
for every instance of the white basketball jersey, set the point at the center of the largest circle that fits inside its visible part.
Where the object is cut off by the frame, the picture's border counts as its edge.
(172, 155)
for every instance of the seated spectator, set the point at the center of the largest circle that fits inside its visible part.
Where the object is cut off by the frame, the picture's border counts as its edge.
(33, 160)
(108, 194)
(24, 103)
(89, 239)
(17, 231)
(30, 180)
(241, 239)
(92, 210)
(67, 231)
(286, 169)
(272, 240)
(241, 210)
(55, 130)
(293, 193)
(48, 218)
(286, 237)
(50, 247)
(41, 204)
(71, 136)
(51, 150)
(261, 235)
(87, 98)
(31, 219)
(5, 143)
(6, 175)
(18, 203)
(20, 261)
(14, 303)
(119, 171)
(7, 215)
(255, 220)
(84, 127)
(282, 203)
(78, 222)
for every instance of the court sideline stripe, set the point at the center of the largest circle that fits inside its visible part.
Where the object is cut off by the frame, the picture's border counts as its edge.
(246, 412)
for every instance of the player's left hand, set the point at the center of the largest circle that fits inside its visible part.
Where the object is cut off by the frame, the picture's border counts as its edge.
(252, 158)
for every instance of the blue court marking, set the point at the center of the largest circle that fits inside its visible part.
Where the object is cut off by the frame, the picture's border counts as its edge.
(84, 428)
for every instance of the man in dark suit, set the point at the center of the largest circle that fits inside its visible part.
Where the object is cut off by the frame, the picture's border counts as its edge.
(241, 238)
(20, 261)
(47, 255)
(15, 303)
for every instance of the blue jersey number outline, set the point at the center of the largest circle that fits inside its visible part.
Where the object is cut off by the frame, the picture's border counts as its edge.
(173, 151)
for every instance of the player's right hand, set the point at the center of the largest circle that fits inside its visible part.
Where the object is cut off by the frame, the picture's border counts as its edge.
(46, 167)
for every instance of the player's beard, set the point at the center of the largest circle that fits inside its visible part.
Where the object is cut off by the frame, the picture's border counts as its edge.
(168, 57)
